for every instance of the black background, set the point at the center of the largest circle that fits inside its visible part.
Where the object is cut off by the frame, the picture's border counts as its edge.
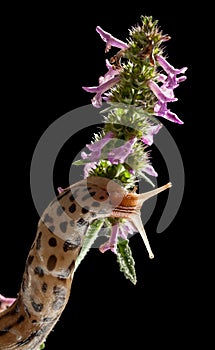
(48, 55)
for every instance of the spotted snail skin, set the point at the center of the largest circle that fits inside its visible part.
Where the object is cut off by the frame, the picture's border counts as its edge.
(49, 268)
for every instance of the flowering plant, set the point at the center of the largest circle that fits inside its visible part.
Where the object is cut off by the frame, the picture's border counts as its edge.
(138, 86)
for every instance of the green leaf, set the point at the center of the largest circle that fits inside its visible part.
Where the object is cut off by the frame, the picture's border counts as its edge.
(81, 162)
(42, 346)
(89, 239)
(126, 261)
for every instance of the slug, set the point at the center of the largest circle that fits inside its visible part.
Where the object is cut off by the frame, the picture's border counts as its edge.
(49, 268)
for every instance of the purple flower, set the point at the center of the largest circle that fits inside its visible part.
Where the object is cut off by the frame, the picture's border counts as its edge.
(110, 40)
(99, 90)
(92, 157)
(96, 148)
(115, 156)
(153, 130)
(5, 302)
(126, 229)
(163, 94)
(60, 190)
(162, 78)
(110, 73)
(161, 110)
(119, 154)
(120, 230)
(101, 143)
(88, 167)
(148, 169)
(172, 80)
(132, 171)
(112, 242)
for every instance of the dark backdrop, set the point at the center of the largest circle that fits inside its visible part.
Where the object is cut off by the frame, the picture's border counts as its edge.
(49, 54)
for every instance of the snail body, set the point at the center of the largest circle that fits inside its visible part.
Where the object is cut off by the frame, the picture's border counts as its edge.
(50, 265)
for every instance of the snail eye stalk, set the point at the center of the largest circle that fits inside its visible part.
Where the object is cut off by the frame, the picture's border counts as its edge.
(137, 200)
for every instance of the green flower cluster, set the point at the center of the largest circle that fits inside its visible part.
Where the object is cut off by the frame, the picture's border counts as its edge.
(140, 66)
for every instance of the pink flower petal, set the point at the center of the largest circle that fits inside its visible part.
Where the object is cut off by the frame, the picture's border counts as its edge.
(110, 40)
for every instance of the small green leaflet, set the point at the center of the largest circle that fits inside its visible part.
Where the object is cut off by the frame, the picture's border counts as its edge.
(81, 162)
(126, 261)
(42, 346)
(89, 239)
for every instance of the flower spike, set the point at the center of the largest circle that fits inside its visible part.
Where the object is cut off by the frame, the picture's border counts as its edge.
(139, 86)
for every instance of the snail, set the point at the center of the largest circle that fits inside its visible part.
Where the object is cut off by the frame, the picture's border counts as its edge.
(50, 265)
